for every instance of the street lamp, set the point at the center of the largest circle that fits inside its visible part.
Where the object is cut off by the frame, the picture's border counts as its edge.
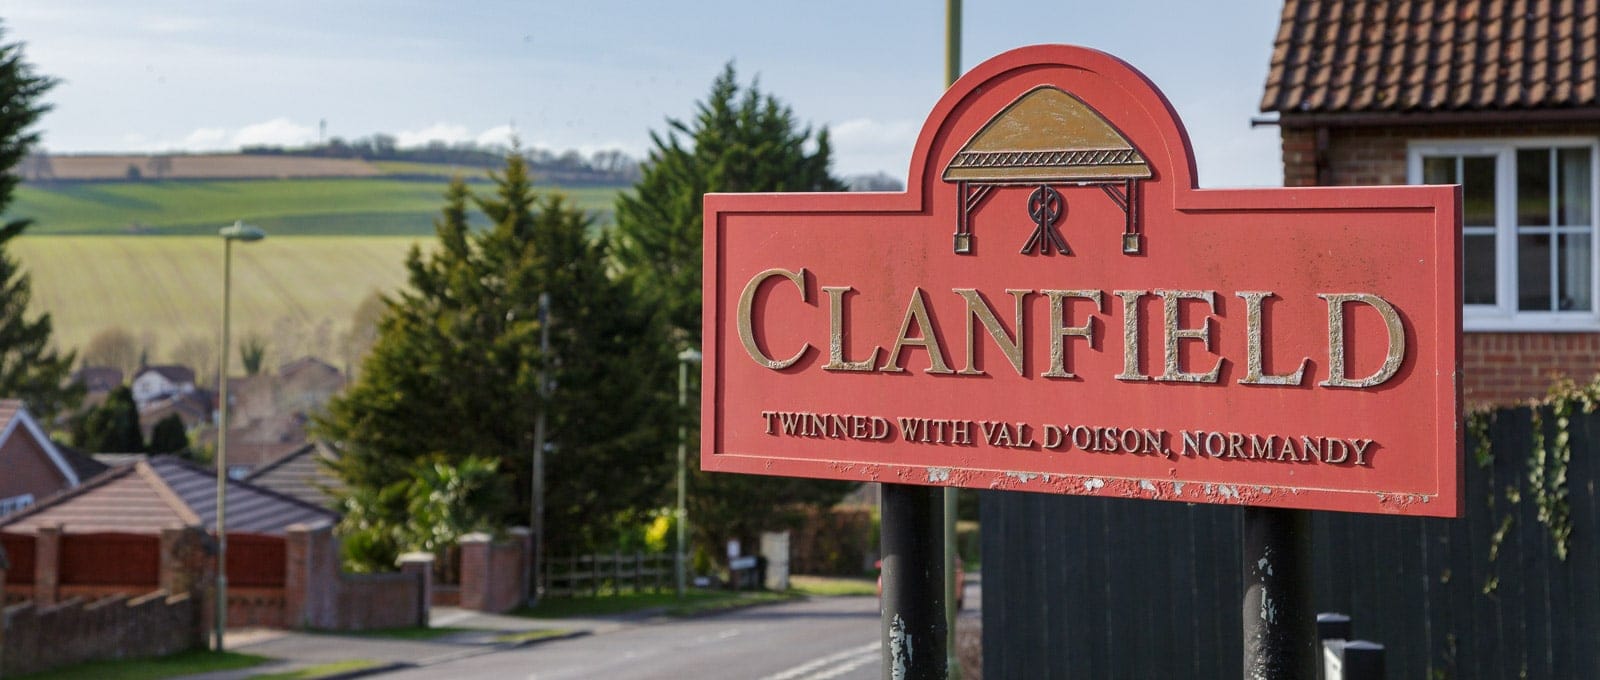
(686, 357)
(239, 231)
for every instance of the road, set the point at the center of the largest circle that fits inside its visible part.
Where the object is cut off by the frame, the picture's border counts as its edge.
(832, 638)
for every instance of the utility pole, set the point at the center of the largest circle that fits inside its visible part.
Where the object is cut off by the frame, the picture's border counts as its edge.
(952, 71)
(536, 522)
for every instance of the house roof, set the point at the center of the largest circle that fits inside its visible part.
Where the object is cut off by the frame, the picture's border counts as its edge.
(14, 417)
(164, 491)
(301, 473)
(98, 378)
(84, 464)
(175, 374)
(1394, 56)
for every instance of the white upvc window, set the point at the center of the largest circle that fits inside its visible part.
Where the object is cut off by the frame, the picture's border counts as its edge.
(1528, 223)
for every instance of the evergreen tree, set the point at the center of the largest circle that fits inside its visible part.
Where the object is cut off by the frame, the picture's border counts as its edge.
(111, 427)
(29, 368)
(455, 371)
(170, 436)
(740, 140)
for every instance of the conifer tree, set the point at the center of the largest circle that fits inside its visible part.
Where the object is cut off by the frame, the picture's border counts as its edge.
(740, 140)
(30, 369)
(110, 427)
(456, 367)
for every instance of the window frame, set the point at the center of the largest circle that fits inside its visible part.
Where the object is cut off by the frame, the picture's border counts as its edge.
(1504, 315)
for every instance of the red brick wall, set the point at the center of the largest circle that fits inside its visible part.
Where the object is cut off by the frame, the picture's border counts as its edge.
(41, 637)
(494, 574)
(1498, 368)
(28, 468)
(318, 595)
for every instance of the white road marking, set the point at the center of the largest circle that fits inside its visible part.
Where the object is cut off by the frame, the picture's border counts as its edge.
(833, 665)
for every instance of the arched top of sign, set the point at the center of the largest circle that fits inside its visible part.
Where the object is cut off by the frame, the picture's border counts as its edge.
(1045, 137)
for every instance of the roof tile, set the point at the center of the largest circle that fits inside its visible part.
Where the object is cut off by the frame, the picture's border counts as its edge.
(1433, 55)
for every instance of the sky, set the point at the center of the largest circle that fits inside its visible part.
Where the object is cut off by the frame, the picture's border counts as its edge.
(157, 75)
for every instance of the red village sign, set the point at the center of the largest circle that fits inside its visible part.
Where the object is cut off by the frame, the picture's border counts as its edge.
(1053, 306)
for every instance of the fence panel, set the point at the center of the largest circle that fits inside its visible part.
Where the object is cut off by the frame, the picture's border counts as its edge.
(19, 553)
(256, 561)
(602, 573)
(1070, 583)
(110, 559)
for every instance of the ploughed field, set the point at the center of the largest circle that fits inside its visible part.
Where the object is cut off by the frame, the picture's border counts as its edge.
(107, 250)
(164, 290)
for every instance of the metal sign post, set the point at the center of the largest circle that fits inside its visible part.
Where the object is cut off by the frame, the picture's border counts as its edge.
(914, 632)
(1280, 623)
(1054, 305)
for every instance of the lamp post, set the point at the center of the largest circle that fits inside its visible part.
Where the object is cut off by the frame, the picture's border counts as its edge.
(686, 357)
(239, 231)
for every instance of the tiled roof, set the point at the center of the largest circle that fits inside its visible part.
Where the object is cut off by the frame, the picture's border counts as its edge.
(164, 491)
(1369, 56)
(177, 375)
(82, 463)
(301, 473)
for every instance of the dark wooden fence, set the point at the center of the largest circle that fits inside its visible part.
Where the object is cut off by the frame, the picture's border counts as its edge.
(19, 552)
(1109, 588)
(256, 561)
(110, 559)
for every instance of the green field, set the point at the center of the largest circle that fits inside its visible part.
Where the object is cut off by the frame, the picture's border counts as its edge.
(283, 207)
(297, 291)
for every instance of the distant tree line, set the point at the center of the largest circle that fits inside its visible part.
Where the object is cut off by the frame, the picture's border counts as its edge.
(609, 167)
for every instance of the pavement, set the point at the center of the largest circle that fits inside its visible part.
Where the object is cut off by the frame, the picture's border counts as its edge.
(483, 634)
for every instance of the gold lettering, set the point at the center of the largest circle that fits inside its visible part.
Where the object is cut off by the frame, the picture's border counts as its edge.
(1254, 374)
(747, 334)
(1396, 353)
(978, 310)
(917, 311)
(1360, 445)
(836, 360)
(1059, 330)
(1130, 335)
(1172, 334)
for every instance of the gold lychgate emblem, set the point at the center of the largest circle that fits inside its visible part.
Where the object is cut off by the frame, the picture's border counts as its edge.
(1047, 138)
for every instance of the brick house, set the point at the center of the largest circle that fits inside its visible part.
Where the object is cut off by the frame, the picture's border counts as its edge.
(35, 467)
(1500, 97)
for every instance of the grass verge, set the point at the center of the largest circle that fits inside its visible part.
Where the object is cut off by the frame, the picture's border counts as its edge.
(408, 633)
(833, 586)
(531, 635)
(326, 670)
(693, 602)
(182, 663)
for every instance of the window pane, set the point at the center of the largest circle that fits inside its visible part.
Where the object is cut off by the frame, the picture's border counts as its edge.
(1477, 191)
(1575, 272)
(1439, 170)
(1533, 187)
(1477, 268)
(1533, 272)
(1573, 166)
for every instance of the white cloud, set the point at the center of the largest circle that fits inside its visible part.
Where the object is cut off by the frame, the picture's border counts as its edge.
(206, 138)
(275, 132)
(497, 135)
(449, 133)
(173, 24)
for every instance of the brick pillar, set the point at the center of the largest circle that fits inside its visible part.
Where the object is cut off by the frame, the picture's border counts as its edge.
(47, 565)
(476, 572)
(311, 576)
(186, 570)
(420, 564)
(523, 538)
